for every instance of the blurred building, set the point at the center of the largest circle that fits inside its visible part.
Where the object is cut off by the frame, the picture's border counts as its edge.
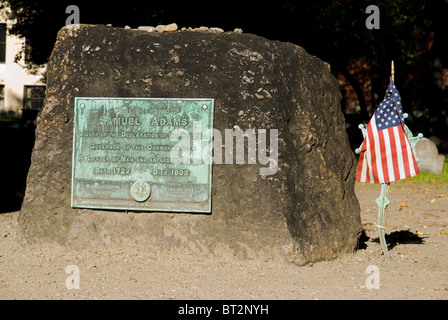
(21, 93)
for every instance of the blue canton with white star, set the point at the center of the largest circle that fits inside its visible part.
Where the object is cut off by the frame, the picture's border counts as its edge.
(389, 113)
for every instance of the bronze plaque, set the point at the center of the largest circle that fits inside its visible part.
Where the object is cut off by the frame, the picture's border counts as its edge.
(145, 154)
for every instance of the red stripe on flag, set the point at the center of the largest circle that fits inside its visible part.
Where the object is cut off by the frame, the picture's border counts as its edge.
(393, 147)
(371, 147)
(417, 169)
(363, 164)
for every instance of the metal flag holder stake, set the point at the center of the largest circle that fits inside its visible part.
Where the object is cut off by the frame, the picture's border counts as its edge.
(382, 200)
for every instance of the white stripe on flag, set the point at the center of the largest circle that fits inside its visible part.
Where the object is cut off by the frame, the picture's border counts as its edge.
(368, 158)
(390, 165)
(376, 140)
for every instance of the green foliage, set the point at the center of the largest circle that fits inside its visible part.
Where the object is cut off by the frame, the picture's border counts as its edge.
(34, 24)
(405, 27)
(319, 25)
(333, 30)
(39, 20)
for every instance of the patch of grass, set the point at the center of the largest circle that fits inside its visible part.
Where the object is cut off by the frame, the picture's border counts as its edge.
(440, 179)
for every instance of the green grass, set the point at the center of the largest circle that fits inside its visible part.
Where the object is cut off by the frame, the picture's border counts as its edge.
(437, 179)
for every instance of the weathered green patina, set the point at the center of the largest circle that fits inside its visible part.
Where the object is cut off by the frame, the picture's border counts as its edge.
(142, 154)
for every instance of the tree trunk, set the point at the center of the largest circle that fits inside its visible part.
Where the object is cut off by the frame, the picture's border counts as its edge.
(358, 90)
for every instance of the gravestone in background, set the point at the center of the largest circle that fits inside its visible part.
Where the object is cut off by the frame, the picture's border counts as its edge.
(429, 158)
(305, 211)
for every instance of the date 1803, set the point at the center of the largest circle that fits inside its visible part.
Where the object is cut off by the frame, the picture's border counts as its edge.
(171, 172)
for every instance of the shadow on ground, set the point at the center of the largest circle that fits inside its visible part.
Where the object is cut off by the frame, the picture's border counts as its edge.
(401, 237)
(16, 145)
(392, 239)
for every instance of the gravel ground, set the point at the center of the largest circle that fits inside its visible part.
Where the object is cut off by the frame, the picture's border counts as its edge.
(416, 227)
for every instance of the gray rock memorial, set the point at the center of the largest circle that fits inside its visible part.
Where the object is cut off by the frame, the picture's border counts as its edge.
(429, 158)
(282, 180)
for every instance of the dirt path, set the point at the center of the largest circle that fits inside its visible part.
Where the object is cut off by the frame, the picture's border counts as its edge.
(416, 224)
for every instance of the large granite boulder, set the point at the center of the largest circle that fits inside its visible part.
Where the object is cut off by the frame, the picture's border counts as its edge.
(306, 211)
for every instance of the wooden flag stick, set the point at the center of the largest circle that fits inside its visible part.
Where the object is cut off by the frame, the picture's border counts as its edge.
(392, 71)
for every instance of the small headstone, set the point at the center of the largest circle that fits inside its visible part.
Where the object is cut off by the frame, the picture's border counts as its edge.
(429, 158)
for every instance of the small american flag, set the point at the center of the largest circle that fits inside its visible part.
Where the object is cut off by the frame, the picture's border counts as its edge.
(386, 154)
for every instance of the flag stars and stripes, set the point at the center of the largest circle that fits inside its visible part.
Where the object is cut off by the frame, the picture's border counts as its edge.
(386, 154)
(389, 108)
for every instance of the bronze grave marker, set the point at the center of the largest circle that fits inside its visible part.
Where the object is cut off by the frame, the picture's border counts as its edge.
(144, 154)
